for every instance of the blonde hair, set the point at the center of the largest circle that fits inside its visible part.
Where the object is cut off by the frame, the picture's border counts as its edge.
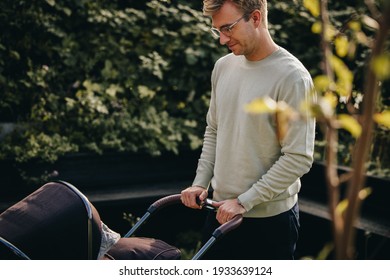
(210, 7)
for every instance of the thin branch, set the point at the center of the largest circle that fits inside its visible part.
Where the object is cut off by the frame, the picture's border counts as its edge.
(362, 147)
(332, 180)
(373, 9)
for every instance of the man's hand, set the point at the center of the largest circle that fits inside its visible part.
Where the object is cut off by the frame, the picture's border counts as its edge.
(227, 209)
(190, 194)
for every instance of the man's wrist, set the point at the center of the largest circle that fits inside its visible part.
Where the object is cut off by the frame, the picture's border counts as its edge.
(240, 203)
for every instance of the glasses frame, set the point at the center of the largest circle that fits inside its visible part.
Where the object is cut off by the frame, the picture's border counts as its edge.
(225, 29)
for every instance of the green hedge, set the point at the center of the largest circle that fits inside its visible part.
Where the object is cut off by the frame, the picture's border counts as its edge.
(103, 75)
(100, 76)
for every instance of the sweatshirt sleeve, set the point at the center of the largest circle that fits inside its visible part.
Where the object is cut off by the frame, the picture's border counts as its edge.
(205, 169)
(297, 150)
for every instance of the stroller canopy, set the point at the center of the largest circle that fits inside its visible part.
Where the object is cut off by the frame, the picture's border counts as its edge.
(54, 222)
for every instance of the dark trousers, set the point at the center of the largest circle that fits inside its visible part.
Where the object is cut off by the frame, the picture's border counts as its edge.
(270, 238)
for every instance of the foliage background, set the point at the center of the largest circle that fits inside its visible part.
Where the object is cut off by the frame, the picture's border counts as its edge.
(101, 76)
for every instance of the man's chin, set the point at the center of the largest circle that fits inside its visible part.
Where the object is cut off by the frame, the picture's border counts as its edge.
(235, 51)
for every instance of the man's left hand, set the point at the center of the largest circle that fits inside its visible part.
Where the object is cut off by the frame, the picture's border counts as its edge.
(227, 209)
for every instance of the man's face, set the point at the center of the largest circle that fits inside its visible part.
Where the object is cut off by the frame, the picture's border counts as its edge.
(239, 40)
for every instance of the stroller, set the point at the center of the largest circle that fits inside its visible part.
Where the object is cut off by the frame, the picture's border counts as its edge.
(34, 228)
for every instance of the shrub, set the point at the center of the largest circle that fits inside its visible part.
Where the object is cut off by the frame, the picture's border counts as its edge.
(100, 76)
(96, 76)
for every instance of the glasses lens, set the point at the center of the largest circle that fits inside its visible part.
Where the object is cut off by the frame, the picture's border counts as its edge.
(226, 30)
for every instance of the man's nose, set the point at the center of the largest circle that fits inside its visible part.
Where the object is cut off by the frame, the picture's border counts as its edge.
(223, 39)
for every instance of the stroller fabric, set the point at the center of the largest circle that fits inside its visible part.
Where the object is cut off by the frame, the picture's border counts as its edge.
(142, 248)
(51, 223)
(54, 223)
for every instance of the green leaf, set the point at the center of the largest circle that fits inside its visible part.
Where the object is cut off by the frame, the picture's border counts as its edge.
(341, 207)
(145, 92)
(355, 25)
(113, 89)
(344, 76)
(316, 28)
(364, 193)
(381, 66)
(91, 87)
(261, 105)
(322, 83)
(350, 124)
(328, 104)
(51, 2)
(341, 44)
(313, 6)
(383, 118)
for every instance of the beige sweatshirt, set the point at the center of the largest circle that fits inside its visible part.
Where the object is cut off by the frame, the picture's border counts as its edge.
(241, 155)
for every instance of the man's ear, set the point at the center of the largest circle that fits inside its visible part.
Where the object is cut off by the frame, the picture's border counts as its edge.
(256, 16)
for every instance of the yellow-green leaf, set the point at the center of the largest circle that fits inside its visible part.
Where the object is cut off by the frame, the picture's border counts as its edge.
(113, 89)
(322, 83)
(325, 251)
(331, 99)
(344, 76)
(316, 28)
(330, 32)
(381, 66)
(383, 118)
(364, 193)
(362, 38)
(341, 44)
(145, 92)
(313, 6)
(51, 2)
(355, 25)
(284, 115)
(350, 124)
(282, 125)
(91, 87)
(181, 105)
(70, 103)
(310, 108)
(341, 207)
(261, 105)
(326, 105)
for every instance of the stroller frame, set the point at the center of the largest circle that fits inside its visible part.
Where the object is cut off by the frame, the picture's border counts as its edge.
(153, 208)
(176, 199)
(31, 203)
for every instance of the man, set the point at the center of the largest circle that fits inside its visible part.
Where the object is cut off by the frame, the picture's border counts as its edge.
(251, 171)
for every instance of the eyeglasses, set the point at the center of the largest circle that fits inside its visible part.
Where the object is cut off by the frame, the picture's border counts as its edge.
(226, 29)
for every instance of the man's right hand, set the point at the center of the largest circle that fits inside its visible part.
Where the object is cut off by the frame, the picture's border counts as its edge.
(189, 196)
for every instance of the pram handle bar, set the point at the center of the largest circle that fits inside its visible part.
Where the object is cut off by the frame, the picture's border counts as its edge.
(176, 199)
(220, 231)
(165, 201)
(162, 202)
(228, 226)
(208, 203)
